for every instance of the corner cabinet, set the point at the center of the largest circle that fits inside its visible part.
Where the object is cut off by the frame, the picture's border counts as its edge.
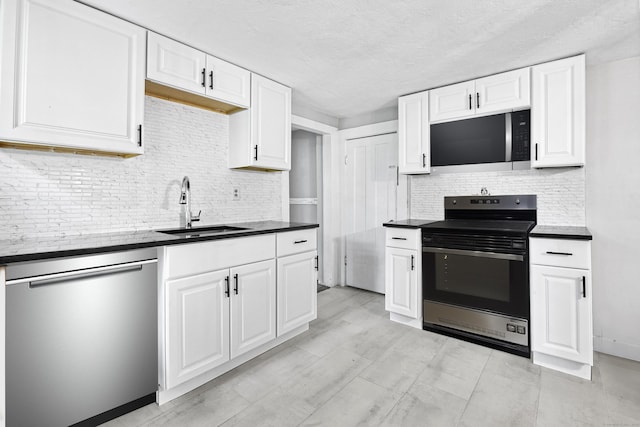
(72, 78)
(492, 94)
(260, 137)
(297, 279)
(414, 156)
(558, 113)
(561, 305)
(174, 64)
(403, 287)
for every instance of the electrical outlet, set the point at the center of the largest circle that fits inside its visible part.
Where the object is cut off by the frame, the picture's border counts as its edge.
(236, 194)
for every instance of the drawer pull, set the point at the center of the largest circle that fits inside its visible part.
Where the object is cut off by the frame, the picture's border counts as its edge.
(559, 253)
(299, 241)
(399, 238)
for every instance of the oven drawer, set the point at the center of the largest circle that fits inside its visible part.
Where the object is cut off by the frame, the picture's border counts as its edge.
(560, 252)
(405, 238)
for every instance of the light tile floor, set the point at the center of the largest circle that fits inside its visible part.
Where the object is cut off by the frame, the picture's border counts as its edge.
(355, 367)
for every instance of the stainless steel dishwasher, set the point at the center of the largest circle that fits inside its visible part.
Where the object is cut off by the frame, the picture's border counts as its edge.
(81, 338)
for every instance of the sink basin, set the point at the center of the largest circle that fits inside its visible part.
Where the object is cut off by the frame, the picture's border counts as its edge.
(201, 231)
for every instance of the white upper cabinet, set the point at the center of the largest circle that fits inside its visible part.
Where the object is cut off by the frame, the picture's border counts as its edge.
(182, 67)
(558, 113)
(414, 156)
(260, 137)
(452, 102)
(503, 92)
(492, 94)
(72, 78)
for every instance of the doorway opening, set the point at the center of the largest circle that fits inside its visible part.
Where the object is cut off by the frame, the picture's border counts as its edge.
(305, 185)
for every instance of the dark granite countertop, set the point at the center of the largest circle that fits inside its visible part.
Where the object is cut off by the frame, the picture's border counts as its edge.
(408, 223)
(63, 246)
(561, 232)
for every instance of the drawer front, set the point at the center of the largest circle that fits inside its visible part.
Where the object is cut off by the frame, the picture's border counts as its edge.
(294, 242)
(405, 238)
(560, 252)
(201, 257)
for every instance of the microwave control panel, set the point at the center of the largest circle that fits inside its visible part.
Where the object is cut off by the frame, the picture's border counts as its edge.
(520, 131)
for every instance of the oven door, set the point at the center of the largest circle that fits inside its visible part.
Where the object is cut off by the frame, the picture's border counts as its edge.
(498, 282)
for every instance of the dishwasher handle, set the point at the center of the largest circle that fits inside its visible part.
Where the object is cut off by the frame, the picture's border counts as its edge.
(50, 279)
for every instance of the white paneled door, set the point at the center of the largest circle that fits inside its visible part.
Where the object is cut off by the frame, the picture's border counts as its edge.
(371, 195)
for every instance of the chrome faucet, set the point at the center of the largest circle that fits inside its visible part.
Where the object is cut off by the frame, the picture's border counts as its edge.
(185, 199)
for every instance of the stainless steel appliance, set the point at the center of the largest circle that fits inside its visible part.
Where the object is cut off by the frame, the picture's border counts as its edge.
(81, 338)
(497, 142)
(475, 270)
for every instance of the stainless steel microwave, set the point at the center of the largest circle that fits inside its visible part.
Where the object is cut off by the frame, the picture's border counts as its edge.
(497, 142)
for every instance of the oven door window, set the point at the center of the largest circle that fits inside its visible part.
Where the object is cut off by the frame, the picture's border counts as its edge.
(480, 282)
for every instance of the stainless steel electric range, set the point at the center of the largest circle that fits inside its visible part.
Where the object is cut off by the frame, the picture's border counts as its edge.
(475, 271)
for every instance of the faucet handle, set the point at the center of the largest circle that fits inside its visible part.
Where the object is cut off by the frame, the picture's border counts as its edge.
(195, 218)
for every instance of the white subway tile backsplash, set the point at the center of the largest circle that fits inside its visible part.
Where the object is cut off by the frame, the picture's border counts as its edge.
(48, 194)
(560, 192)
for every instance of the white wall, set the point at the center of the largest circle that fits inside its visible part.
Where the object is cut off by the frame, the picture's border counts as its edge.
(613, 203)
(303, 176)
(560, 192)
(53, 193)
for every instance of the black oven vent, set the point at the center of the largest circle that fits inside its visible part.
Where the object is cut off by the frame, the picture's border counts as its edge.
(476, 242)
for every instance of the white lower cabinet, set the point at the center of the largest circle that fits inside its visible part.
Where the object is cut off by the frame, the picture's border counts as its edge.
(403, 287)
(561, 306)
(253, 306)
(297, 290)
(218, 306)
(198, 325)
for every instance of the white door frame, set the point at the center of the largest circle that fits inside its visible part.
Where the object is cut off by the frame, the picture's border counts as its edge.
(402, 202)
(331, 219)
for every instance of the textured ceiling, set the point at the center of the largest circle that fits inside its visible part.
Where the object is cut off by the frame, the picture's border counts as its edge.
(345, 58)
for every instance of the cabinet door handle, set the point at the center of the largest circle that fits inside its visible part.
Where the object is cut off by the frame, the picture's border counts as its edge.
(477, 99)
(398, 238)
(226, 288)
(235, 285)
(559, 253)
(536, 151)
(316, 262)
(299, 241)
(204, 77)
(470, 107)
(424, 160)
(211, 80)
(255, 157)
(584, 287)
(412, 263)
(140, 135)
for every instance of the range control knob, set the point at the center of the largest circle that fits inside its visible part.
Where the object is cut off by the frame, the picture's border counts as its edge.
(455, 202)
(517, 201)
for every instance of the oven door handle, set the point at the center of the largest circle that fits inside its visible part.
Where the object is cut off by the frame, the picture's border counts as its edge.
(481, 254)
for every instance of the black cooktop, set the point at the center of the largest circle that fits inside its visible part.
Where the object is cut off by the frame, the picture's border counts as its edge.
(480, 226)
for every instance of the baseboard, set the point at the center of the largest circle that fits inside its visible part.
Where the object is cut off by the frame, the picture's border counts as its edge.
(570, 367)
(617, 348)
(409, 321)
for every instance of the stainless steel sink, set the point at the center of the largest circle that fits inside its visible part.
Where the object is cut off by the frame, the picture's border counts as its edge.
(202, 231)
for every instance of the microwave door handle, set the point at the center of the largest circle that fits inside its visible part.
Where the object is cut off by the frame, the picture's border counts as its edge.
(480, 254)
(508, 138)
